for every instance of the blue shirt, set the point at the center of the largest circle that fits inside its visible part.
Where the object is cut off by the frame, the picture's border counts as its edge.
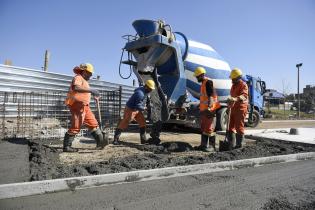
(136, 101)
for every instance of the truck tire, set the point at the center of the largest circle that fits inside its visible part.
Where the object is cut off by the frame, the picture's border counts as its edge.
(221, 119)
(256, 120)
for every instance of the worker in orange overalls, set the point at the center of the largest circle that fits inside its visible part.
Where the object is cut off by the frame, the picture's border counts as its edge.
(208, 105)
(78, 100)
(238, 104)
(133, 111)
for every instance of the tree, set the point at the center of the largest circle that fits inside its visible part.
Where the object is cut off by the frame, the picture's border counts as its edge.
(285, 91)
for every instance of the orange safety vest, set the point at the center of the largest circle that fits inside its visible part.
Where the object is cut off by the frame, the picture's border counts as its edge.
(205, 100)
(74, 96)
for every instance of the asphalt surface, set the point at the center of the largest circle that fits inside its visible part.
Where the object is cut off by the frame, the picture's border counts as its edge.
(276, 186)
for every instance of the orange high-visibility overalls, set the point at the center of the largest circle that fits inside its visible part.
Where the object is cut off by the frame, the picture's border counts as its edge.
(78, 103)
(238, 108)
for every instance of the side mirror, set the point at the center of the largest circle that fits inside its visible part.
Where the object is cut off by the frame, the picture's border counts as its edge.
(263, 86)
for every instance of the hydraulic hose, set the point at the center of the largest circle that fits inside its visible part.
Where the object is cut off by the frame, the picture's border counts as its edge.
(121, 57)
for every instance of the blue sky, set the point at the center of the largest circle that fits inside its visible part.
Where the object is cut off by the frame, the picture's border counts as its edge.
(263, 38)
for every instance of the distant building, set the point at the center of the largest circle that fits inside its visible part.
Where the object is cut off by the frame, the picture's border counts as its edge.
(273, 96)
(309, 92)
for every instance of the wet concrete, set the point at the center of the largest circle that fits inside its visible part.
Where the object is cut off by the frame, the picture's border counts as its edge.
(45, 163)
(14, 161)
(281, 202)
(277, 186)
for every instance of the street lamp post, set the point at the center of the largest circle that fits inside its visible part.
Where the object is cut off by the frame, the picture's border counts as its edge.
(298, 87)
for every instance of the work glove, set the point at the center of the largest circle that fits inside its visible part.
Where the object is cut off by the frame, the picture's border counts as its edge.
(95, 92)
(208, 113)
(231, 99)
(242, 98)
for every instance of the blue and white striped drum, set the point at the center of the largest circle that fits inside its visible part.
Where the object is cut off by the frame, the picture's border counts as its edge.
(198, 54)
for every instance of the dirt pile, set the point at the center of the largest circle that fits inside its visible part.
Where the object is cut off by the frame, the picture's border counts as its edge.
(45, 162)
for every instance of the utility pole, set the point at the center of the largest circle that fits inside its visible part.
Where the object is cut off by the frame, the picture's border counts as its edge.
(298, 66)
(8, 62)
(285, 90)
(47, 55)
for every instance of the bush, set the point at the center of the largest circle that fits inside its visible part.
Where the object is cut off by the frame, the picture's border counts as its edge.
(305, 106)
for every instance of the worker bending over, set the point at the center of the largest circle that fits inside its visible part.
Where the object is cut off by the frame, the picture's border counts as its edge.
(133, 111)
(208, 106)
(238, 103)
(78, 100)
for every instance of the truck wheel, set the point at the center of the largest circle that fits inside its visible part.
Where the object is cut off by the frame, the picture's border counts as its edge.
(256, 120)
(221, 119)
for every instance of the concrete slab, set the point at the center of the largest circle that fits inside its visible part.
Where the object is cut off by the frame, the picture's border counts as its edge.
(77, 183)
(14, 161)
(306, 135)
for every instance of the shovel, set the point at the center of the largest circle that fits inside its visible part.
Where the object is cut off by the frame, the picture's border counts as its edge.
(225, 144)
(105, 134)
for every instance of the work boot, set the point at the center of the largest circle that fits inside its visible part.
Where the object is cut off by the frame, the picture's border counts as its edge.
(203, 144)
(239, 140)
(67, 142)
(212, 143)
(143, 136)
(98, 136)
(231, 139)
(154, 141)
(155, 133)
(116, 136)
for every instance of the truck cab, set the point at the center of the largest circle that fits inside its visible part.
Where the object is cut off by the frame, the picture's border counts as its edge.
(256, 89)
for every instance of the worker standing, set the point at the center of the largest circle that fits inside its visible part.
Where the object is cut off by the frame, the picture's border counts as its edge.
(133, 111)
(78, 100)
(208, 105)
(238, 103)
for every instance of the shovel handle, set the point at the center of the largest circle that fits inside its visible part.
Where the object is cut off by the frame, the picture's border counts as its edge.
(228, 120)
(227, 123)
(97, 102)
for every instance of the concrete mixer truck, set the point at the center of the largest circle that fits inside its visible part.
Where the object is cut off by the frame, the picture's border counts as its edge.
(170, 58)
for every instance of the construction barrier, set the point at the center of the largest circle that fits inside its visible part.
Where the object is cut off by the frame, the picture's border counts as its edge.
(42, 115)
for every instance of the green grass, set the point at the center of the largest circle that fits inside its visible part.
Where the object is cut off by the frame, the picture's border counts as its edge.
(288, 114)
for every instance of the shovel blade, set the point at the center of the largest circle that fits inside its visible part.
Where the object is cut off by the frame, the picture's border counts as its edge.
(105, 138)
(224, 146)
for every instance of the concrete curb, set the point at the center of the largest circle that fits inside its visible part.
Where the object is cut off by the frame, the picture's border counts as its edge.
(270, 121)
(75, 183)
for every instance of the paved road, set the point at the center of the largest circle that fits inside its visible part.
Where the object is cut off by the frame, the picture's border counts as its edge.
(249, 188)
(285, 124)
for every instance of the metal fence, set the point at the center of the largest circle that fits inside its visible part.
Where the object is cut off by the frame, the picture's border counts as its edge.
(17, 79)
(43, 115)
